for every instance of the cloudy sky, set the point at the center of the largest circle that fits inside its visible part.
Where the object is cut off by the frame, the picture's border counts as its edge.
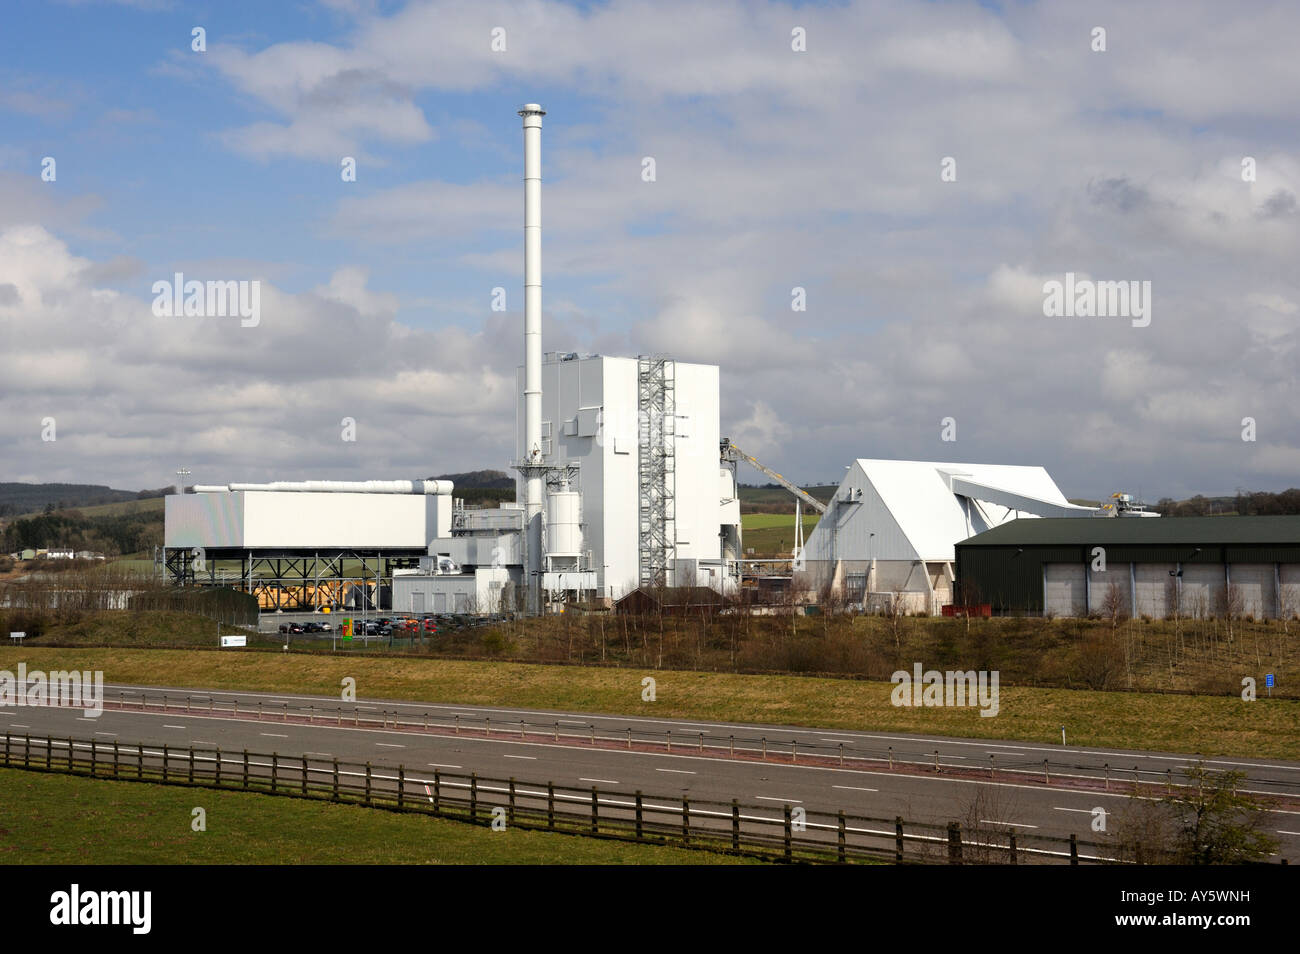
(775, 168)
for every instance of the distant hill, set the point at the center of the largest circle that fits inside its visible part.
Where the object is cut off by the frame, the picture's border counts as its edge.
(18, 498)
(479, 480)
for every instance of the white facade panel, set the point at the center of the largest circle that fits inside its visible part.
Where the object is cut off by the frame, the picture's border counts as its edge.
(1064, 589)
(1114, 579)
(303, 520)
(1253, 589)
(1153, 593)
(1202, 589)
(1289, 577)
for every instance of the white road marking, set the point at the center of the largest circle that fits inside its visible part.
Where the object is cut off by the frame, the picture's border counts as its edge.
(441, 765)
(854, 788)
(390, 745)
(602, 781)
(18, 725)
(769, 798)
(1281, 832)
(531, 758)
(1082, 811)
(105, 733)
(86, 719)
(165, 726)
(989, 821)
(844, 741)
(676, 771)
(274, 735)
(201, 742)
(572, 722)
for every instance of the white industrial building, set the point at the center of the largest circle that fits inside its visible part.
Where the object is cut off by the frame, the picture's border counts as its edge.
(621, 483)
(890, 530)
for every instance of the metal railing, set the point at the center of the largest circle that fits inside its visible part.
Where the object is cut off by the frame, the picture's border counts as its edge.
(786, 833)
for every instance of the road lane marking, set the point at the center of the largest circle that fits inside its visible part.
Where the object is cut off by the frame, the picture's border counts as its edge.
(1082, 811)
(1281, 832)
(441, 765)
(274, 735)
(769, 798)
(165, 726)
(531, 758)
(87, 719)
(602, 781)
(390, 745)
(105, 733)
(676, 771)
(989, 821)
(18, 725)
(855, 788)
(844, 741)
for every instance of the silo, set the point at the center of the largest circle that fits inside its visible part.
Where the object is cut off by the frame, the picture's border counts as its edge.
(563, 529)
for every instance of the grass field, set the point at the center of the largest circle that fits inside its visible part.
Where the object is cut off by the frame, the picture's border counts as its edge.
(1210, 725)
(772, 534)
(58, 819)
(150, 505)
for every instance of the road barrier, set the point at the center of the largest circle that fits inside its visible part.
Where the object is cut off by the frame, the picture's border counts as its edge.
(787, 833)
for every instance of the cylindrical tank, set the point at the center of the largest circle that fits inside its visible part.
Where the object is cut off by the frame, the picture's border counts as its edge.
(563, 532)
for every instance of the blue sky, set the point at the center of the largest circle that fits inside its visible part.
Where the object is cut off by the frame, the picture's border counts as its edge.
(776, 169)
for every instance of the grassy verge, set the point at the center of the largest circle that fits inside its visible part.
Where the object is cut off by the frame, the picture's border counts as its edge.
(58, 819)
(1210, 725)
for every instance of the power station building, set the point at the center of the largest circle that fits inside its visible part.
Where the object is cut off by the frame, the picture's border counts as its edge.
(1193, 566)
(621, 483)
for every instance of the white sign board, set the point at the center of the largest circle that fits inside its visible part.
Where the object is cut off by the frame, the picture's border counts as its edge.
(19, 635)
(234, 640)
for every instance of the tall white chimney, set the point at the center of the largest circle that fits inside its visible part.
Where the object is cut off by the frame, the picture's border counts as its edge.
(532, 115)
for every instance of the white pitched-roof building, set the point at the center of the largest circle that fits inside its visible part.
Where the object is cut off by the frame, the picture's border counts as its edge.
(889, 532)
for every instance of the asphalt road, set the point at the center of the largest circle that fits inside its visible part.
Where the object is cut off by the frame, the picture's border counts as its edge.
(912, 790)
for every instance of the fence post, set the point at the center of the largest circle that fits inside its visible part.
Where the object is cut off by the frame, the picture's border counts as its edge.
(473, 798)
(1169, 781)
(1107, 767)
(217, 769)
(841, 755)
(27, 749)
(245, 768)
(275, 769)
(1074, 848)
(735, 825)
(139, 761)
(401, 785)
(70, 765)
(841, 837)
(954, 843)
(49, 751)
(7, 748)
(593, 733)
(164, 763)
(788, 828)
(92, 757)
(1047, 778)
(701, 741)
(304, 775)
(937, 769)
(595, 811)
(190, 778)
(510, 812)
(991, 768)
(686, 820)
(523, 731)
(557, 732)
(670, 740)
(259, 710)
(639, 834)
(550, 804)
(336, 780)
(114, 757)
(426, 722)
(629, 737)
(437, 792)
(794, 751)
(764, 748)
(1013, 848)
(732, 749)
(898, 839)
(368, 781)
(891, 758)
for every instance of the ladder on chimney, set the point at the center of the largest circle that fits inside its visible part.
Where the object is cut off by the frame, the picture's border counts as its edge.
(656, 470)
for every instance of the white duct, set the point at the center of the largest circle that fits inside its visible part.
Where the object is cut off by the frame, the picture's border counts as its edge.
(532, 116)
(338, 487)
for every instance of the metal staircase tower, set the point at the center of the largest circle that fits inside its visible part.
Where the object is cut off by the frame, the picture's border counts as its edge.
(656, 470)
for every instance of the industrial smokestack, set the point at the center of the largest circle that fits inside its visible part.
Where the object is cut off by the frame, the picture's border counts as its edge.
(532, 116)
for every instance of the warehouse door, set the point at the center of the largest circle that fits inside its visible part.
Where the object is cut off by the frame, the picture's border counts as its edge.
(440, 602)
(417, 602)
(1252, 589)
(1202, 589)
(1110, 592)
(1156, 588)
(1290, 573)
(1064, 592)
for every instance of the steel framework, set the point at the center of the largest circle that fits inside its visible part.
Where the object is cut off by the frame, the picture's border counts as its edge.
(656, 470)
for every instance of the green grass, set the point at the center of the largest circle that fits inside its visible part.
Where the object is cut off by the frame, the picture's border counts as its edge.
(60, 819)
(147, 628)
(150, 505)
(1211, 725)
(773, 533)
